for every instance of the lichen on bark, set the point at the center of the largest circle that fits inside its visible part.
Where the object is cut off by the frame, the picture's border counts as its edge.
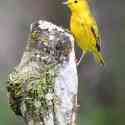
(43, 87)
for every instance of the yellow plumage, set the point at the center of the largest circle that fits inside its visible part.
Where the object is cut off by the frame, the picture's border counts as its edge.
(84, 28)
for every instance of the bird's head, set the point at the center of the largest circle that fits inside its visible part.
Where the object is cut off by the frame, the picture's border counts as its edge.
(74, 5)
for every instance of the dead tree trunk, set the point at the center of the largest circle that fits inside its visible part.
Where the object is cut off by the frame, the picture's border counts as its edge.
(43, 87)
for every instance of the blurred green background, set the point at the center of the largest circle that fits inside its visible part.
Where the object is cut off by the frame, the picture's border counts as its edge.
(101, 90)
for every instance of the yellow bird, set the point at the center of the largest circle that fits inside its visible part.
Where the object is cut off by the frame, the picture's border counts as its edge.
(85, 29)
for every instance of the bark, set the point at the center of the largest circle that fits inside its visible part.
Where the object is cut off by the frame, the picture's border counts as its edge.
(42, 89)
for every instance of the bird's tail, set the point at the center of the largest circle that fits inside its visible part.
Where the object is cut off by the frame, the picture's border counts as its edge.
(98, 57)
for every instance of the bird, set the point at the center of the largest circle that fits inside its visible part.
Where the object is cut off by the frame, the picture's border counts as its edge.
(84, 28)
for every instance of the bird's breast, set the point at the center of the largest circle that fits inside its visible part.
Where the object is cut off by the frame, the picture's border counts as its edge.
(80, 32)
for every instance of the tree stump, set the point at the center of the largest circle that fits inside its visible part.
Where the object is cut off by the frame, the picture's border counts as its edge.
(42, 89)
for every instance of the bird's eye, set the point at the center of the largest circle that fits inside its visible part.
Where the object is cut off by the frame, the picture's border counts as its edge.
(75, 1)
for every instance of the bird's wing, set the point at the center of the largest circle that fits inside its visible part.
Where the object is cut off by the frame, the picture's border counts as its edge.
(97, 36)
(90, 23)
(94, 29)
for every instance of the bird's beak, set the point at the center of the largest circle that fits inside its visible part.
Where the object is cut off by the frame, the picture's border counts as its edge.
(65, 3)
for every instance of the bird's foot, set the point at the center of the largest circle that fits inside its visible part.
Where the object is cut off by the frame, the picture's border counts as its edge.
(78, 61)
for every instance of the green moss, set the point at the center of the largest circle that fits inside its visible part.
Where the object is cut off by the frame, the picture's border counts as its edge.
(31, 91)
(39, 91)
(34, 35)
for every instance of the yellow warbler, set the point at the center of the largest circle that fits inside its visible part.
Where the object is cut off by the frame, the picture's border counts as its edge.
(84, 28)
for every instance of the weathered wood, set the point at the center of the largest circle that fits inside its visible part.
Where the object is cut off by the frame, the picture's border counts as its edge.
(43, 87)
